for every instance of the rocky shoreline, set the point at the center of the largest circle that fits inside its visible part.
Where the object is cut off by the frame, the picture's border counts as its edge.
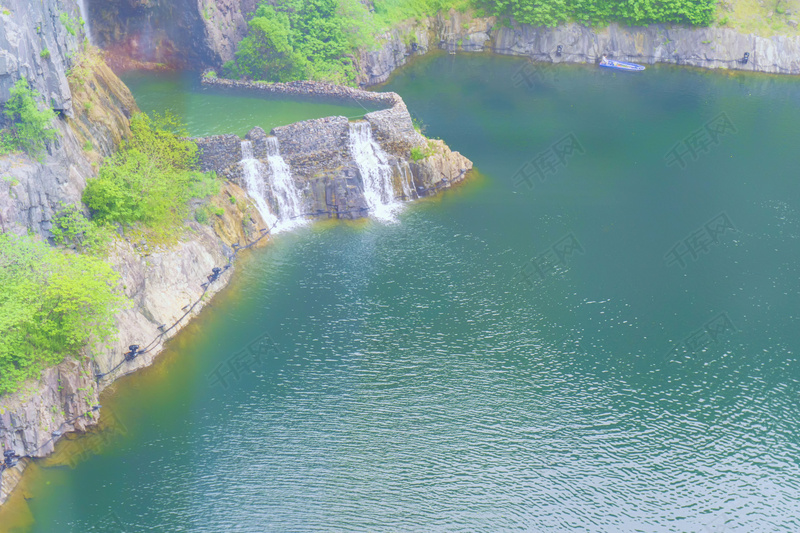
(163, 283)
(455, 32)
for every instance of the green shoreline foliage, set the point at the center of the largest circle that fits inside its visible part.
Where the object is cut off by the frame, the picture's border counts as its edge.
(30, 128)
(303, 39)
(601, 12)
(53, 303)
(318, 39)
(151, 179)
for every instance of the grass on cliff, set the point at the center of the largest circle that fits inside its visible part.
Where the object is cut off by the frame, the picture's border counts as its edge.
(150, 182)
(53, 303)
(762, 17)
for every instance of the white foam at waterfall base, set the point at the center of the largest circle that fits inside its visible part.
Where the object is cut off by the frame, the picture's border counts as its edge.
(87, 30)
(253, 171)
(284, 191)
(376, 174)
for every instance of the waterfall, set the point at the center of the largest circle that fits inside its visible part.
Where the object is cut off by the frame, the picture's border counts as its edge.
(376, 174)
(406, 181)
(254, 171)
(87, 29)
(284, 190)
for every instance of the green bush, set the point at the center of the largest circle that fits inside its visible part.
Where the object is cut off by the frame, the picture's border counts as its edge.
(72, 229)
(151, 179)
(419, 153)
(30, 128)
(52, 304)
(68, 23)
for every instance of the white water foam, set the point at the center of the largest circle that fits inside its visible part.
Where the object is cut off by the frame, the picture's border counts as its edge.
(376, 174)
(254, 171)
(284, 191)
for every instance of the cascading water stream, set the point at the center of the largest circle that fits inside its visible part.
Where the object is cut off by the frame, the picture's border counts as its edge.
(87, 29)
(406, 181)
(254, 171)
(376, 174)
(283, 188)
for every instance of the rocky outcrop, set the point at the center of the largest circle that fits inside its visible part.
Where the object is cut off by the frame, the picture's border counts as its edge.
(319, 152)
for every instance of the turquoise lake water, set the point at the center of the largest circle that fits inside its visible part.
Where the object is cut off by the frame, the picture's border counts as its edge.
(210, 111)
(603, 342)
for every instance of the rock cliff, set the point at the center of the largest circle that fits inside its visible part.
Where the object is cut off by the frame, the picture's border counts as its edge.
(40, 41)
(202, 33)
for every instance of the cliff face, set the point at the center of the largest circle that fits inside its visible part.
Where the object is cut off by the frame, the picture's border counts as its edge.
(32, 190)
(40, 42)
(182, 34)
(658, 43)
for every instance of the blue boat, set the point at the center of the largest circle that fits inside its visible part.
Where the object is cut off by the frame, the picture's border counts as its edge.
(620, 65)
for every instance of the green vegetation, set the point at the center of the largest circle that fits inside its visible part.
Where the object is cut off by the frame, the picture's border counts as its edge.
(391, 12)
(419, 152)
(52, 304)
(595, 12)
(67, 22)
(72, 229)
(30, 127)
(45, 54)
(303, 39)
(151, 179)
(318, 39)
(203, 213)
